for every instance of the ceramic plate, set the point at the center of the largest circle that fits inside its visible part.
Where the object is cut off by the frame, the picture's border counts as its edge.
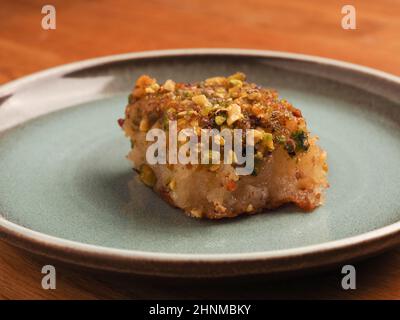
(68, 192)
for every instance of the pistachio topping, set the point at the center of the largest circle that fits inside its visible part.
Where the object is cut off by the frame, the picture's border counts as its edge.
(222, 103)
(169, 85)
(219, 120)
(201, 100)
(234, 114)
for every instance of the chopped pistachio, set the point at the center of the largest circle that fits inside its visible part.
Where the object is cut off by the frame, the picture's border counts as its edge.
(235, 82)
(268, 141)
(205, 111)
(186, 94)
(219, 120)
(221, 101)
(169, 85)
(215, 81)
(280, 139)
(234, 92)
(258, 155)
(201, 100)
(234, 113)
(220, 92)
(238, 75)
(154, 87)
(258, 135)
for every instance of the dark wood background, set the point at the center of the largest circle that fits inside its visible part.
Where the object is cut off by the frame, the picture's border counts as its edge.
(87, 29)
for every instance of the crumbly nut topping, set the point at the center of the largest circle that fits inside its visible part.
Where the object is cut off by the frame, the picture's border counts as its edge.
(219, 102)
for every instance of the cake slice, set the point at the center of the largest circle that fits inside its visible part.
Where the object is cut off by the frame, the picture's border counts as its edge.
(287, 164)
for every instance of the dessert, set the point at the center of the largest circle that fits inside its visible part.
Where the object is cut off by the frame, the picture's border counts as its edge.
(287, 165)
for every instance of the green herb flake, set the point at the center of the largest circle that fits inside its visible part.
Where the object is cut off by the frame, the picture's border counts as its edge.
(301, 140)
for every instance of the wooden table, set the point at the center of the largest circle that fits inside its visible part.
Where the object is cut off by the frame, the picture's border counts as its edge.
(87, 29)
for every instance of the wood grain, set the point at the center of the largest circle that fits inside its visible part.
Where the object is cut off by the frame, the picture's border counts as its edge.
(87, 29)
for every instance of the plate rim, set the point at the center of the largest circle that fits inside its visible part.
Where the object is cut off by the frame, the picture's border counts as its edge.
(102, 257)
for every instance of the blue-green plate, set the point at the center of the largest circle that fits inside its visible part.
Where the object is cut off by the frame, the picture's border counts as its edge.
(68, 192)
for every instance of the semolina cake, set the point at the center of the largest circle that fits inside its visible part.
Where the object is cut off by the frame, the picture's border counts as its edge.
(286, 164)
